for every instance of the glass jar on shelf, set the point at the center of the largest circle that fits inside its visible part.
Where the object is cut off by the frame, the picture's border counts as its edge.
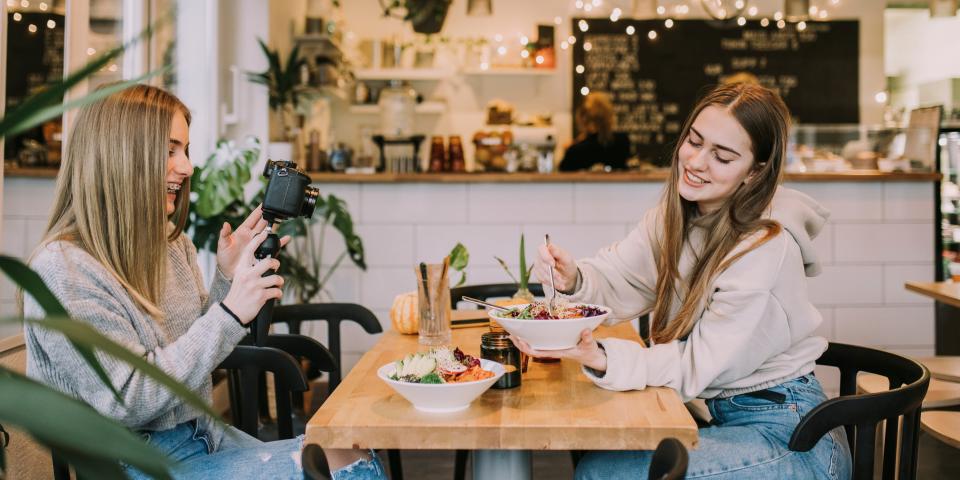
(397, 103)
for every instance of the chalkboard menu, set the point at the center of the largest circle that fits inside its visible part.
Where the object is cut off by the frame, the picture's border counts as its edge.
(34, 59)
(656, 74)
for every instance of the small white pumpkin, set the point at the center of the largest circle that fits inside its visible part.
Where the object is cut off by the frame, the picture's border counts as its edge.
(405, 313)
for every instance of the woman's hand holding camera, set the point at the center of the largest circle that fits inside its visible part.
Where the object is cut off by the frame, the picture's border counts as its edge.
(231, 245)
(250, 290)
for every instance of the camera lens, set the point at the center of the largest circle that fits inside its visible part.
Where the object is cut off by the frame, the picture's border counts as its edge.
(309, 201)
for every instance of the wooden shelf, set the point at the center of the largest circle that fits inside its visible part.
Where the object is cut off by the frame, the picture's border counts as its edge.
(37, 172)
(591, 177)
(435, 108)
(511, 71)
(401, 73)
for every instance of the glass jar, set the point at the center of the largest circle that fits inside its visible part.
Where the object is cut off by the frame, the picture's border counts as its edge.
(497, 347)
(397, 103)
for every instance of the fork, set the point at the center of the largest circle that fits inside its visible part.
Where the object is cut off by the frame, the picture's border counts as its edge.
(553, 298)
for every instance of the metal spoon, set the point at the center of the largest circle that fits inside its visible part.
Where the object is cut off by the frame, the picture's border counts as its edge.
(553, 299)
(484, 304)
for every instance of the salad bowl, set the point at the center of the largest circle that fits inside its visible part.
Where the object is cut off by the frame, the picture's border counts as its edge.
(439, 397)
(552, 333)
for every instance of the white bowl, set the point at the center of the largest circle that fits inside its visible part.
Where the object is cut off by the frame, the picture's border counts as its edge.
(442, 397)
(549, 334)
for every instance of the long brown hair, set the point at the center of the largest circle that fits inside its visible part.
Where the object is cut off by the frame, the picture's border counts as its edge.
(596, 115)
(765, 118)
(111, 190)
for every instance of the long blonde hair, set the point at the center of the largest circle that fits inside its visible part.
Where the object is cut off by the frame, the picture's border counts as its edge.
(111, 190)
(596, 115)
(765, 118)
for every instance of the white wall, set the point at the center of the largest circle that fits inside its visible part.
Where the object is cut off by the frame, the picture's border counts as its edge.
(919, 49)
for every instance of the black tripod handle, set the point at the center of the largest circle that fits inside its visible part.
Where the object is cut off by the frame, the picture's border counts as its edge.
(270, 248)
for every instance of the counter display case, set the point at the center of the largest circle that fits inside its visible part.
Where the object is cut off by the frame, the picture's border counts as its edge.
(840, 148)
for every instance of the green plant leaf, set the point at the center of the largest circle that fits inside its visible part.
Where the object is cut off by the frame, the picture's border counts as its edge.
(31, 283)
(48, 103)
(82, 335)
(343, 222)
(459, 257)
(506, 268)
(42, 114)
(72, 427)
(524, 276)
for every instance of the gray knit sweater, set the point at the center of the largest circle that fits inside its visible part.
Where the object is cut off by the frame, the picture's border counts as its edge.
(187, 344)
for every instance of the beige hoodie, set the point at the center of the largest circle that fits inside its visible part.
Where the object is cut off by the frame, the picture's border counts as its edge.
(756, 329)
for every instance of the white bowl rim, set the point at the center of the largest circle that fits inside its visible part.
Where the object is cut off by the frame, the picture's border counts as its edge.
(496, 376)
(606, 311)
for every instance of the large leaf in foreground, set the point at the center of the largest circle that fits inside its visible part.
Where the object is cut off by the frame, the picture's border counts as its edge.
(93, 444)
(32, 284)
(85, 338)
(80, 333)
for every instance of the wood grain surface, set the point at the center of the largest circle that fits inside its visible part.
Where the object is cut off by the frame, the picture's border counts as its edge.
(555, 408)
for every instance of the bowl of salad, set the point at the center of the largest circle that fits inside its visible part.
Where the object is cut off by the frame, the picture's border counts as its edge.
(546, 329)
(441, 380)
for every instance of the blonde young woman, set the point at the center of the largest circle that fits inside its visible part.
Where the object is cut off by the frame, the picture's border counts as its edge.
(721, 263)
(115, 255)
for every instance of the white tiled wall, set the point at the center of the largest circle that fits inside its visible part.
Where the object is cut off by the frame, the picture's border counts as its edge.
(879, 236)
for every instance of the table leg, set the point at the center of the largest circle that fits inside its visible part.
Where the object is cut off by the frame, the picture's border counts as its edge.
(502, 465)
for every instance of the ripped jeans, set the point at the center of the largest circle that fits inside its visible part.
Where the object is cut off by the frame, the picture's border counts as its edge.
(239, 456)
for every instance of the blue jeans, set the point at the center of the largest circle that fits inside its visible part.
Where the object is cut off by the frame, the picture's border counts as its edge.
(747, 439)
(239, 455)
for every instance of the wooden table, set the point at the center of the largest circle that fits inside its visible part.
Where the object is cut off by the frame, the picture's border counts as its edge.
(555, 408)
(944, 292)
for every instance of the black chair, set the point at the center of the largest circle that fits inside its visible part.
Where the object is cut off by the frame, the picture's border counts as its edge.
(245, 367)
(490, 290)
(898, 409)
(314, 463)
(669, 461)
(336, 314)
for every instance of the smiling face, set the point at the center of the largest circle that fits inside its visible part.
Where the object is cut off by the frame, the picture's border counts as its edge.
(179, 167)
(715, 158)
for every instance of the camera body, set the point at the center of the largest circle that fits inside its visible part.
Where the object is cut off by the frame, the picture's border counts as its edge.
(288, 193)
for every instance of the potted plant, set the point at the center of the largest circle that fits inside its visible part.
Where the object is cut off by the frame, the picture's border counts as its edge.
(285, 92)
(523, 284)
(426, 16)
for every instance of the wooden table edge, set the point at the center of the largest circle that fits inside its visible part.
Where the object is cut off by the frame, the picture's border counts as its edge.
(928, 289)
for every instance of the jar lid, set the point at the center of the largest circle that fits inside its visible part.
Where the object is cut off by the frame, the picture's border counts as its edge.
(496, 340)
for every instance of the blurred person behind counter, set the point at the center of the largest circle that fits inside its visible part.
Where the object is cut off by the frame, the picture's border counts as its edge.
(597, 144)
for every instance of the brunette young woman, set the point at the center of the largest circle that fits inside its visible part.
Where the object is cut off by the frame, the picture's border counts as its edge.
(721, 264)
(115, 255)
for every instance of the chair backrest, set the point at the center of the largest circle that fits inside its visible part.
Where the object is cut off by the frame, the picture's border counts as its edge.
(334, 314)
(898, 408)
(314, 463)
(245, 366)
(490, 290)
(669, 461)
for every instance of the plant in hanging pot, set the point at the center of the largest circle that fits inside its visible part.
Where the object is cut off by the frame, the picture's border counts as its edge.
(523, 294)
(426, 16)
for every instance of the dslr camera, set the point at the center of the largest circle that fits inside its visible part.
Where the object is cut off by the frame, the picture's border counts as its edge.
(288, 193)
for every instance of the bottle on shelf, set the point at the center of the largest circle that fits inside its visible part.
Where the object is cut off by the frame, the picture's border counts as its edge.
(455, 156)
(438, 154)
